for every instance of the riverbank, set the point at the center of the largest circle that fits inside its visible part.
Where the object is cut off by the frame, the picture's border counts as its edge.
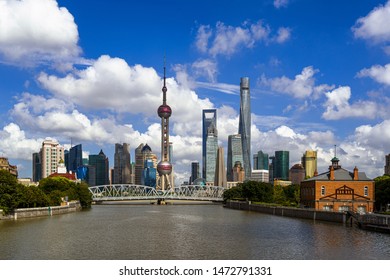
(23, 213)
(337, 217)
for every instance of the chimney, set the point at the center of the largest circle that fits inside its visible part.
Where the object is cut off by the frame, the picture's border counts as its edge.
(355, 174)
(331, 173)
(315, 173)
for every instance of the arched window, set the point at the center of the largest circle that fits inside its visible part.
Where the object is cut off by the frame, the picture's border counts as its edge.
(323, 190)
(365, 191)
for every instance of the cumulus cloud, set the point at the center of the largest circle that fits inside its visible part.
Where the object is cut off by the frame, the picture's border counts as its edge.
(380, 74)
(374, 27)
(338, 106)
(35, 31)
(205, 68)
(15, 144)
(111, 84)
(302, 86)
(227, 40)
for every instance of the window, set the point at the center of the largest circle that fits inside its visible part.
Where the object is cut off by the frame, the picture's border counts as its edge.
(323, 190)
(365, 191)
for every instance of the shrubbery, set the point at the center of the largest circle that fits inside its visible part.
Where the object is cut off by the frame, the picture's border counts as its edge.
(48, 193)
(264, 192)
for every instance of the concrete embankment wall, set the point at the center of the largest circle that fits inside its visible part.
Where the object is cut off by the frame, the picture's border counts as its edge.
(23, 213)
(337, 217)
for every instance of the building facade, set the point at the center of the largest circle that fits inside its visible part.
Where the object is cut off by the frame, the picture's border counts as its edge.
(234, 154)
(387, 165)
(297, 174)
(98, 169)
(195, 172)
(4, 165)
(122, 165)
(74, 158)
(51, 153)
(220, 171)
(339, 190)
(238, 172)
(309, 163)
(244, 126)
(260, 175)
(209, 118)
(260, 161)
(36, 167)
(211, 153)
(281, 165)
(149, 173)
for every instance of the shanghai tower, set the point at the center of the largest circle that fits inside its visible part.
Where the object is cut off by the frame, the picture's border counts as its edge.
(244, 127)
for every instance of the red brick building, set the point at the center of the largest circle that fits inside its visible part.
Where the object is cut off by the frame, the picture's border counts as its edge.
(339, 190)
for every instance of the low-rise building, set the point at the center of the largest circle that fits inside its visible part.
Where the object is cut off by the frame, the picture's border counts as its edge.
(339, 190)
(4, 164)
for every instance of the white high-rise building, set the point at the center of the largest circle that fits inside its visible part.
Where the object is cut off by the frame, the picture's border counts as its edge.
(51, 154)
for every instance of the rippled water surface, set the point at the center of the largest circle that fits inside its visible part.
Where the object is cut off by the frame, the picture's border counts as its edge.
(184, 232)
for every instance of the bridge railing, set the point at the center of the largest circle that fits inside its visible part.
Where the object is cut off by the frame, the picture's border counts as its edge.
(140, 192)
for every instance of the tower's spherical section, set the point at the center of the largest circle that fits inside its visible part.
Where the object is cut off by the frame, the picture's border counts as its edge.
(164, 168)
(164, 111)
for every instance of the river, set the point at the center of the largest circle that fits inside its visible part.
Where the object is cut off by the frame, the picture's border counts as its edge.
(153, 232)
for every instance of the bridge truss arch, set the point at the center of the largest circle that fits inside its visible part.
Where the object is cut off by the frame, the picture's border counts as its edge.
(139, 192)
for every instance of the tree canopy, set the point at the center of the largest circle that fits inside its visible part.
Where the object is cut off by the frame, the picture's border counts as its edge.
(50, 192)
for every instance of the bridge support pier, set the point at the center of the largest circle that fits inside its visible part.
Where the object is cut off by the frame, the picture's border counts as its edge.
(161, 201)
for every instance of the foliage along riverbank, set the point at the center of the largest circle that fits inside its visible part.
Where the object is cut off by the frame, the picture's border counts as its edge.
(49, 192)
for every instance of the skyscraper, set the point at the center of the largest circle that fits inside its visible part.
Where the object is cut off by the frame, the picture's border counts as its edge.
(164, 167)
(195, 172)
(387, 165)
(98, 169)
(261, 161)
(36, 167)
(149, 173)
(244, 127)
(220, 173)
(122, 168)
(309, 163)
(75, 158)
(281, 165)
(209, 117)
(139, 164)
(234, 154)
(211, 152)
(51, 153)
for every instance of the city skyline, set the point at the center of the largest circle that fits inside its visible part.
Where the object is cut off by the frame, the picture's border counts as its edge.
(319, 77)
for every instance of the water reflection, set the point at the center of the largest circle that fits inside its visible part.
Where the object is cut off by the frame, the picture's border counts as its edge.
(184, 232)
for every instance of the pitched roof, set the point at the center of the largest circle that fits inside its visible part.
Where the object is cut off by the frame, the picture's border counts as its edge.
(340, 174)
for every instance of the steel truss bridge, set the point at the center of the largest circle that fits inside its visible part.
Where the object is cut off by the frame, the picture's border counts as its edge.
(130, 192)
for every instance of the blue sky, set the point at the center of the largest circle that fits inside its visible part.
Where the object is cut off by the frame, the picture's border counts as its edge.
(92, 71)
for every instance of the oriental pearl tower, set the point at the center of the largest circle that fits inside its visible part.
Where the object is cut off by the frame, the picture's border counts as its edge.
(164, 167)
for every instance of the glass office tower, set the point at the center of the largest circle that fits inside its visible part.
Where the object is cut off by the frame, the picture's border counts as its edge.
(244, 127)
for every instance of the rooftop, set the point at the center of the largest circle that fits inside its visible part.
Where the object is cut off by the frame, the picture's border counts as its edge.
(340, 174)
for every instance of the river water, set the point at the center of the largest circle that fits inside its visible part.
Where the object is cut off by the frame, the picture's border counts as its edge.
(154, 232)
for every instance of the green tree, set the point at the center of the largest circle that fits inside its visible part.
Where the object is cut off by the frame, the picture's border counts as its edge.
(279, 196)
(81, 192)
(50, 184)
(234, 193)
(9, 195)
(257, 191)
(382, 192)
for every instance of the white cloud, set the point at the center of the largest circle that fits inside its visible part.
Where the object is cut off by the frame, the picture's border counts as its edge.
(379, 73)
(283, 35)
(15, 145)
(280, 3)
(111, 84)
(374, 27)
(205, 68)
(302, 86)
(37, 30)
(338, 106)
(227, 40)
